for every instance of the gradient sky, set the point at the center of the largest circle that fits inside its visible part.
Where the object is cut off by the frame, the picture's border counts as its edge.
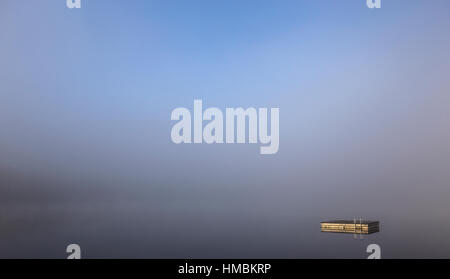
(85, 150)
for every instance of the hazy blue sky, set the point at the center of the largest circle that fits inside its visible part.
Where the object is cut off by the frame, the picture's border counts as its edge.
(85, 150)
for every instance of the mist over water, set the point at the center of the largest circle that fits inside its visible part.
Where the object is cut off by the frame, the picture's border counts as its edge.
(85, 149)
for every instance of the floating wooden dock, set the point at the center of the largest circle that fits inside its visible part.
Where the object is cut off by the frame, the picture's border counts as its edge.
(354, 227)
